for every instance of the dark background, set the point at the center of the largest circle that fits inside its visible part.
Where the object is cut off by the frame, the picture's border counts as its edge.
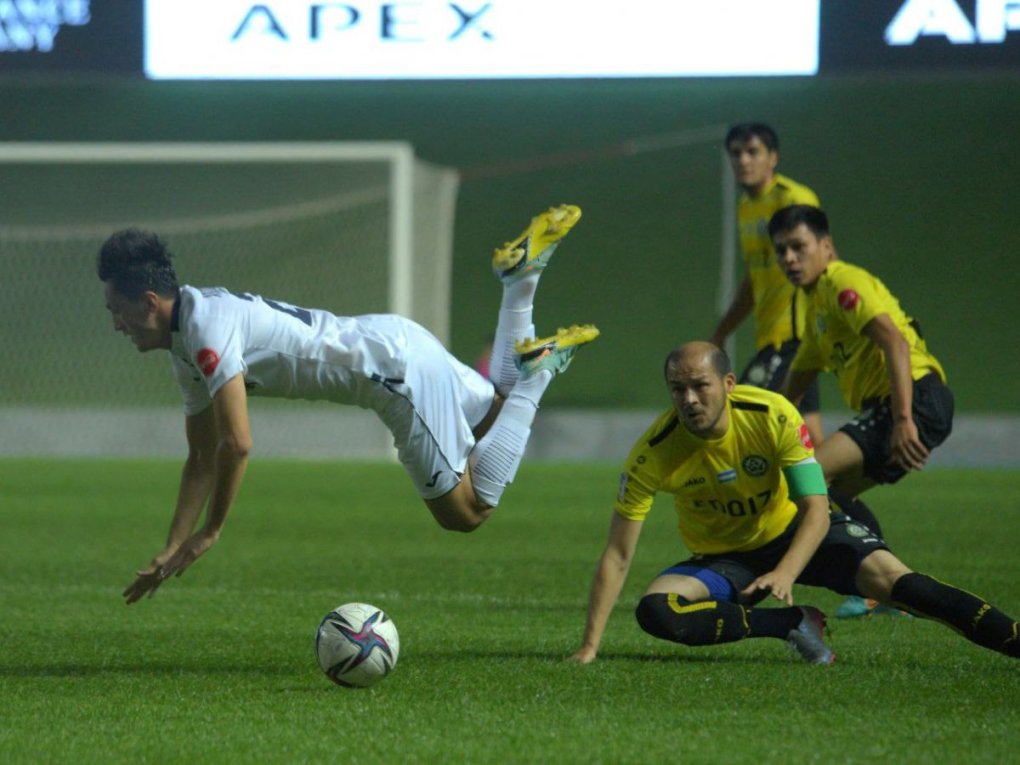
(914, 159)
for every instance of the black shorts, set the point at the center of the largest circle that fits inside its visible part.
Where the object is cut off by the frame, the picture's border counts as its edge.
(768, 370)
(871, 430)
(833, 566)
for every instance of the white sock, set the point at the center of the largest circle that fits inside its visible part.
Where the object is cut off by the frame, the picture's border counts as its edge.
(495, 459)
(514, 324)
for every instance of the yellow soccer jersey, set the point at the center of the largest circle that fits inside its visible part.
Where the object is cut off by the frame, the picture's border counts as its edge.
(843, 300)
(730, 493)
(777, 316)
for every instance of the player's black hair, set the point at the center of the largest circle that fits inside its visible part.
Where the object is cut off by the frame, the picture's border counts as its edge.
(745, 131)
(788, 218)
(136, 262)
(719, 359)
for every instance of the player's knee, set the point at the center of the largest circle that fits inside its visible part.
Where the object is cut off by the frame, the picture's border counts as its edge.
(659, 618)
(457, 511)
(650, 616)
(462, 519)
(459, 522)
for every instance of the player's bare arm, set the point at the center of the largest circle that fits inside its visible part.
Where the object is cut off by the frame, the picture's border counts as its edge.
(907, 450)
(230, 407)
(740, 309)
(610, 575)
(192, 494)
(196, 477)
(814, 525)
(796, 384)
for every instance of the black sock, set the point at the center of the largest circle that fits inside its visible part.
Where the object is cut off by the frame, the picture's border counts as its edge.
(856, 509)
(773, 622)
(977, 620)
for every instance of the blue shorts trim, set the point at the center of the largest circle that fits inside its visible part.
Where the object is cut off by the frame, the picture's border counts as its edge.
(719, 587)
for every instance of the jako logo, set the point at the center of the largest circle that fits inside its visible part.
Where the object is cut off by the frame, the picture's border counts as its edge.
(400, 22)
(27, 25)
(943, 18)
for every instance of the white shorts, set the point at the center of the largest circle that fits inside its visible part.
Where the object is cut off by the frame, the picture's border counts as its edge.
(431, 415)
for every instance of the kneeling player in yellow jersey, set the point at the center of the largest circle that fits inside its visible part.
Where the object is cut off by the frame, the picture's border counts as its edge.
(856, 328)
(753, 511)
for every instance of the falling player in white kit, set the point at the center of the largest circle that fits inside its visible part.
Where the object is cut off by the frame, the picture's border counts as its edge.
(459, 436)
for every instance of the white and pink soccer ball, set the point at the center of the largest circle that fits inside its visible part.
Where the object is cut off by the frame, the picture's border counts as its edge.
(357, 645)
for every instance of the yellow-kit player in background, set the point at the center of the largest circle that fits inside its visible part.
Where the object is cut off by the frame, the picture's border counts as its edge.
(857, 329)
(765, 292)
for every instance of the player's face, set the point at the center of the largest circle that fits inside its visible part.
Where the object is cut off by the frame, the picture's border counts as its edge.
(699, 395)
(753, 163)
(138, 319)
(801, 255)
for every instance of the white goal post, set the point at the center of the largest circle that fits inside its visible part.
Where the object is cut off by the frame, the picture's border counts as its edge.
(352, 227)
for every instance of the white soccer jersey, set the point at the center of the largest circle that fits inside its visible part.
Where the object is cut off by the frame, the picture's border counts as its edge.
(286, 351)
(428, 400)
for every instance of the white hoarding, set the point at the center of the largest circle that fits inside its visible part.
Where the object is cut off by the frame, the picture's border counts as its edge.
(466, 39)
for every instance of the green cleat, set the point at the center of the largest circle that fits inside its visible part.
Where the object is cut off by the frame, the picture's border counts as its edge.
(530, 252)
(552, 353)
(854, 607)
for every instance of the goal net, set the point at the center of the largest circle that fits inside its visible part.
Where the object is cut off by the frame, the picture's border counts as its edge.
(350, 227)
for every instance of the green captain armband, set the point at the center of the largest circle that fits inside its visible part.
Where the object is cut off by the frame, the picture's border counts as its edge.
(805, 478)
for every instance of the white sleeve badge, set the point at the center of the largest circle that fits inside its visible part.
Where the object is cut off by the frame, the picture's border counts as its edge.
(621, 491)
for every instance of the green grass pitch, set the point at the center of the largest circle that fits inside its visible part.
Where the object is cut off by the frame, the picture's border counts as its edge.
(219, 666)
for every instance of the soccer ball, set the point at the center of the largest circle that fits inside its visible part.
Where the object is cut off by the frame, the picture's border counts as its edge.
(357, 645)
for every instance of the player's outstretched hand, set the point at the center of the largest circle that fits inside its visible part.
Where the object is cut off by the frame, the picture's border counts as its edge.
(583, 656)
(189, 551)
(777, 583)
(146, 582)
(148, 579)
(169, 562)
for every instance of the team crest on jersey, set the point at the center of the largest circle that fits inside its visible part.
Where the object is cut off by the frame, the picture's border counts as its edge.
(848, 300)
(755, 465)
(805, 437)
(819, 324)
(207, 360)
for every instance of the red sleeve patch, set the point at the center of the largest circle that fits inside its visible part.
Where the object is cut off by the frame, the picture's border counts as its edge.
(805, 437)
(207, 360)
(848, 299)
